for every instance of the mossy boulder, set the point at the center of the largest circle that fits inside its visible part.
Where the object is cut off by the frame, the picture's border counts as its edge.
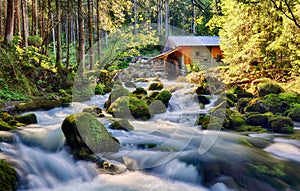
(157, 107)
(164, 96)
(128, 107)
(256, 105)
(241, 92)
(119, 91)
(274, 104)
(294, 112)
(140, 92)
(27, 119)
(268, 87)
(94, 110)
(156, 86)
(202, 90)
(122, 124)
(258, 119)
(228, 95)
(289, 97)
(43, 104)
(235, 119)
(86, 135)
(242, 104)
(203, 99)
(4, 126)
(8, 177)
(281, 124)
(153, 94)
(250, 128)
(203, 120)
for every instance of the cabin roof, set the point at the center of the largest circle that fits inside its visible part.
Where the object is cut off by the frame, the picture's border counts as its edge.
(194, 40)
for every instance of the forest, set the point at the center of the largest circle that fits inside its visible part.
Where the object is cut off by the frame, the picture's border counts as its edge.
(78, 82)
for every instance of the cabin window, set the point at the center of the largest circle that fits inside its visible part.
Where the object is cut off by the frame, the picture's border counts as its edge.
(197, 53)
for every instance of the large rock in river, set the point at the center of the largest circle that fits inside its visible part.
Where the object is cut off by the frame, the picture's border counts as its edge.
(86, 135)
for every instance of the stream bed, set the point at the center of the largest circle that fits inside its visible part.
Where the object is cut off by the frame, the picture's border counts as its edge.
(160, 154)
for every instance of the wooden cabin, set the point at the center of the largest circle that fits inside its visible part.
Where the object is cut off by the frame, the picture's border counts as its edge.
(181, 52)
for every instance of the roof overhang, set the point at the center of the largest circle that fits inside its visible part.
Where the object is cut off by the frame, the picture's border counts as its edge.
(165, 54)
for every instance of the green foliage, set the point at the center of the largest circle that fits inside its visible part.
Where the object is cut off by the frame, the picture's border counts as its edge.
(8, 177)
(259, 39)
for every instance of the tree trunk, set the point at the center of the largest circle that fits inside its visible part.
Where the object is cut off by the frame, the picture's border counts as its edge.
(193, 26)
(167, 17)
(17, 18)
(135, 16)
(68, 34)
(34, 19)
(9, 29)
(91, 33)
(98, 29)
(81, 43)
(25, 30)
(1, 22)
(58, 35)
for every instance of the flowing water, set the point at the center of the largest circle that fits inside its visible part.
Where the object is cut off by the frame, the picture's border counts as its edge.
(160, 154)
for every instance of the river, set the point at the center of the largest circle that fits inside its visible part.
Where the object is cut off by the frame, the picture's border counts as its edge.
(160, 154)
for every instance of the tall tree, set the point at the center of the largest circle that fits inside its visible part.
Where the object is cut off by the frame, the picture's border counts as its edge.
(98, 29)
(25, 30)
(1, 21)
(34, 17)
(81, 43)
(69, 33)
(91, 32)
(9, 29)
(17, 18)
(58, 34)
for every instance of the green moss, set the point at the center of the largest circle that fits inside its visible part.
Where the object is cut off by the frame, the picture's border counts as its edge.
(164, 96)
(203, 121)
(275, 170)
(27, 119)
(8, 177)
(5, 126)
(139, 92)
(83, 131)
(44, 104)
(242, 93)
(119, 91)
(281, 124)
(289, 97)
(156, 86)
(294, 112)
(250, 128)
(235, 119)
(126, 107)
(257, 119)
(269, 87)
(242, 104)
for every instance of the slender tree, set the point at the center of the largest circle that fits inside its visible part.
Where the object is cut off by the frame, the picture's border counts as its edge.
(69, 29)
(98, 29)
(25, 30)
(58, 34)
(9, 29)
(91, 32)
(81, 43)
(17, 18)
(1, 21)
